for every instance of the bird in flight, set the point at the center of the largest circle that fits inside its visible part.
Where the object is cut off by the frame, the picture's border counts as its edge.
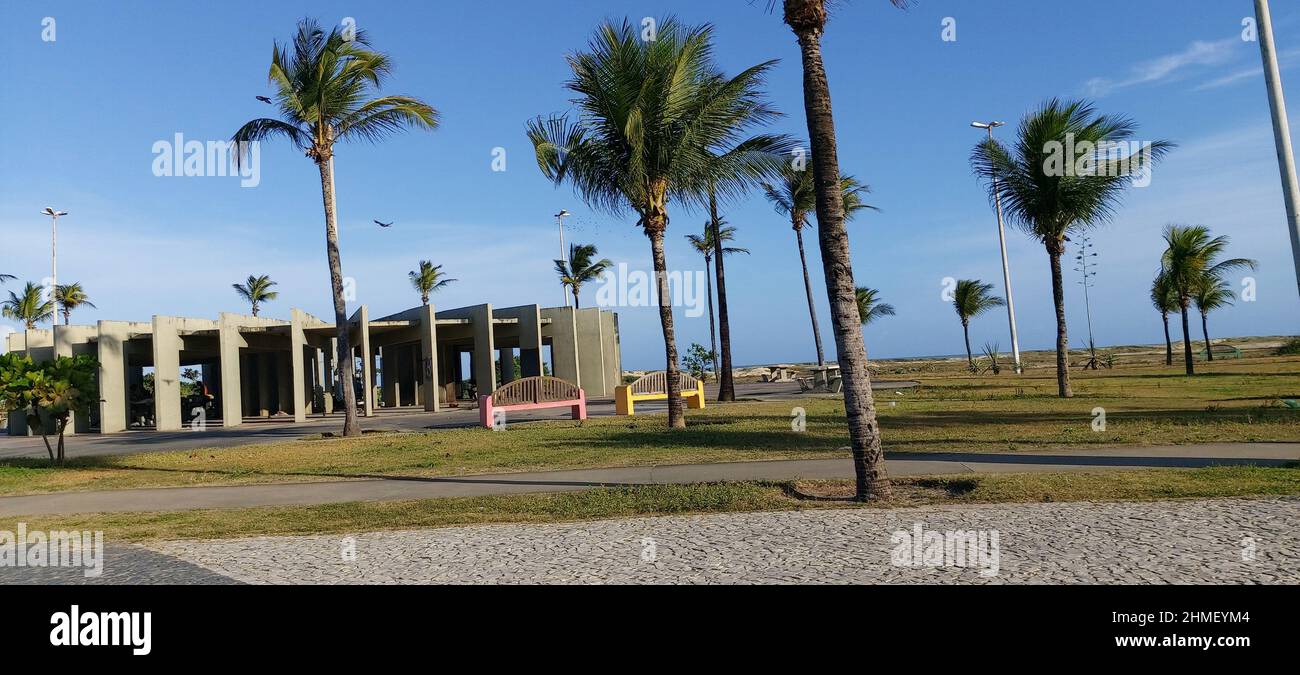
(384, 224)
(263, 99)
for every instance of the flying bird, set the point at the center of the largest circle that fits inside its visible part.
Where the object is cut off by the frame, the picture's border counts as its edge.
(263, 99)
(384, 224)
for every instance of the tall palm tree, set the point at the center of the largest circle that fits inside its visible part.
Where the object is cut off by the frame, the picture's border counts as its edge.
(256, 291)
(707, 245)
(807, 18)
(323, 83)
(1190, 260)
(972, 298)
(1211, 294)
(428, 279)
(70, 297)
(29, 307)
(1048, 198)
(794, 195)
(1164, 297)
(651, 115)
(580, 268)
(869, 306)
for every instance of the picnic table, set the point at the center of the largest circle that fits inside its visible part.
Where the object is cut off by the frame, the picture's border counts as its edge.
(825, 378)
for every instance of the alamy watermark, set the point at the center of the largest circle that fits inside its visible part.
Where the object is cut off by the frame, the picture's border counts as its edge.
(179, 157)
(637, 288)
(920, 547)
(56, 548)
(1105, 158)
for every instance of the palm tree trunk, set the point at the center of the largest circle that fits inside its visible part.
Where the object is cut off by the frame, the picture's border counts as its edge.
(713, 335)
(726, 380)
(965, 329)
(807, 287)
(347, 367)
(1205, 330)
(1054, 250)
(576, 304)
(67, 317)
(859, 406)
(1169, 346)
(1187, 343)
(676, 420)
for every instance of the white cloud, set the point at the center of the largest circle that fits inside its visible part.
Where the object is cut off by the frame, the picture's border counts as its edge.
(1170, 66)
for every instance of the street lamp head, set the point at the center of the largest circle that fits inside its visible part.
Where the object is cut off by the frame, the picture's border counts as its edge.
(51, 212)
(563, 214)
(987, 125)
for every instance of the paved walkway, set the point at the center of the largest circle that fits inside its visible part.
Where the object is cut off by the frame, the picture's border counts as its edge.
(395, 488)
(1212, 542)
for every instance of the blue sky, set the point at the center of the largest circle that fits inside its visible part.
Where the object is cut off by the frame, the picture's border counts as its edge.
(85, 110)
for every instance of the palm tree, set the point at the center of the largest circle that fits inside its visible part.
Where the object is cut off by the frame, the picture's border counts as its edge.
(869, 306)
(70, 297)
(429, 279)
(579, 268)
(1211, 294)
(972, 298)
(794, 195)
(1164, 297)
(256, 291)
(1190, 261)
(322, 87)
(707, 245)
(6, 277)
(807, 18)
(651, 115)
(1048, 198)
(30, 307)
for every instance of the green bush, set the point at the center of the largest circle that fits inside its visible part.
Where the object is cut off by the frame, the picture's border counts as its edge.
(1291, 348)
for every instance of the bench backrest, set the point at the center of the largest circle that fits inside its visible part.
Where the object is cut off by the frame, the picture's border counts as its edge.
(537, 389)
(657, 383)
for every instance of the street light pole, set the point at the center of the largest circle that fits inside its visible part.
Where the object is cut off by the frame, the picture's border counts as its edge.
(1281, 128)
(1002, 244)
(54, 247)
(559, 222)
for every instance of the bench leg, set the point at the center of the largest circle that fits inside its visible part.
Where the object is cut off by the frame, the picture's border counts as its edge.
(580, 410)
(485, 411)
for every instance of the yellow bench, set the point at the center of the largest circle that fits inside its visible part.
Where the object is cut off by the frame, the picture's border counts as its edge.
(654, 386)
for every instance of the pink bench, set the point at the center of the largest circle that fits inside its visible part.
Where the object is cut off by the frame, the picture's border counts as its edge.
(533, 393)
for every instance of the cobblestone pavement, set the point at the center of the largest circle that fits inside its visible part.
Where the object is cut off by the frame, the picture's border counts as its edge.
(1218, 541)
(123, 565)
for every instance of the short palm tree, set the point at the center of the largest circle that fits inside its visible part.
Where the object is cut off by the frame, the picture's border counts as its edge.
(972, 298)
(428, 279)
(580, 268)
(256, 291)
(323, 83)
(793, 195)
(1164, 297)
(1049, 201)
(651, 116)
(869, 306)
(1191, 259)
(807, 19)
(708, 245)
(70, 297)
(1211, 294)
(29, 307)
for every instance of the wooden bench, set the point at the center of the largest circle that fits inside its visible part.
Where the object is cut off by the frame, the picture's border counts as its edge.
(533, 393)
(654, 386)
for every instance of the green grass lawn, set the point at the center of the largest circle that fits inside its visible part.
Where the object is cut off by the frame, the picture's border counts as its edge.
(1231, 401)
(1214, 482)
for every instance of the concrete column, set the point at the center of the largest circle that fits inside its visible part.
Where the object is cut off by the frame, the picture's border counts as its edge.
(530, 337)
(507, 361)
(388, 374)
(113, 336)
(362, 318)
(429, 358)
(167, 374)
(284, 383)
(564, 343)
(71, 341)
(612, 358)
(484, 360)
(229, 343)
(327, 373)
(591, 358)
(265, 377)
(299, 389)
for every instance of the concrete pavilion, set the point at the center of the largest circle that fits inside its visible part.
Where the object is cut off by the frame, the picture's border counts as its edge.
(261, 367)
